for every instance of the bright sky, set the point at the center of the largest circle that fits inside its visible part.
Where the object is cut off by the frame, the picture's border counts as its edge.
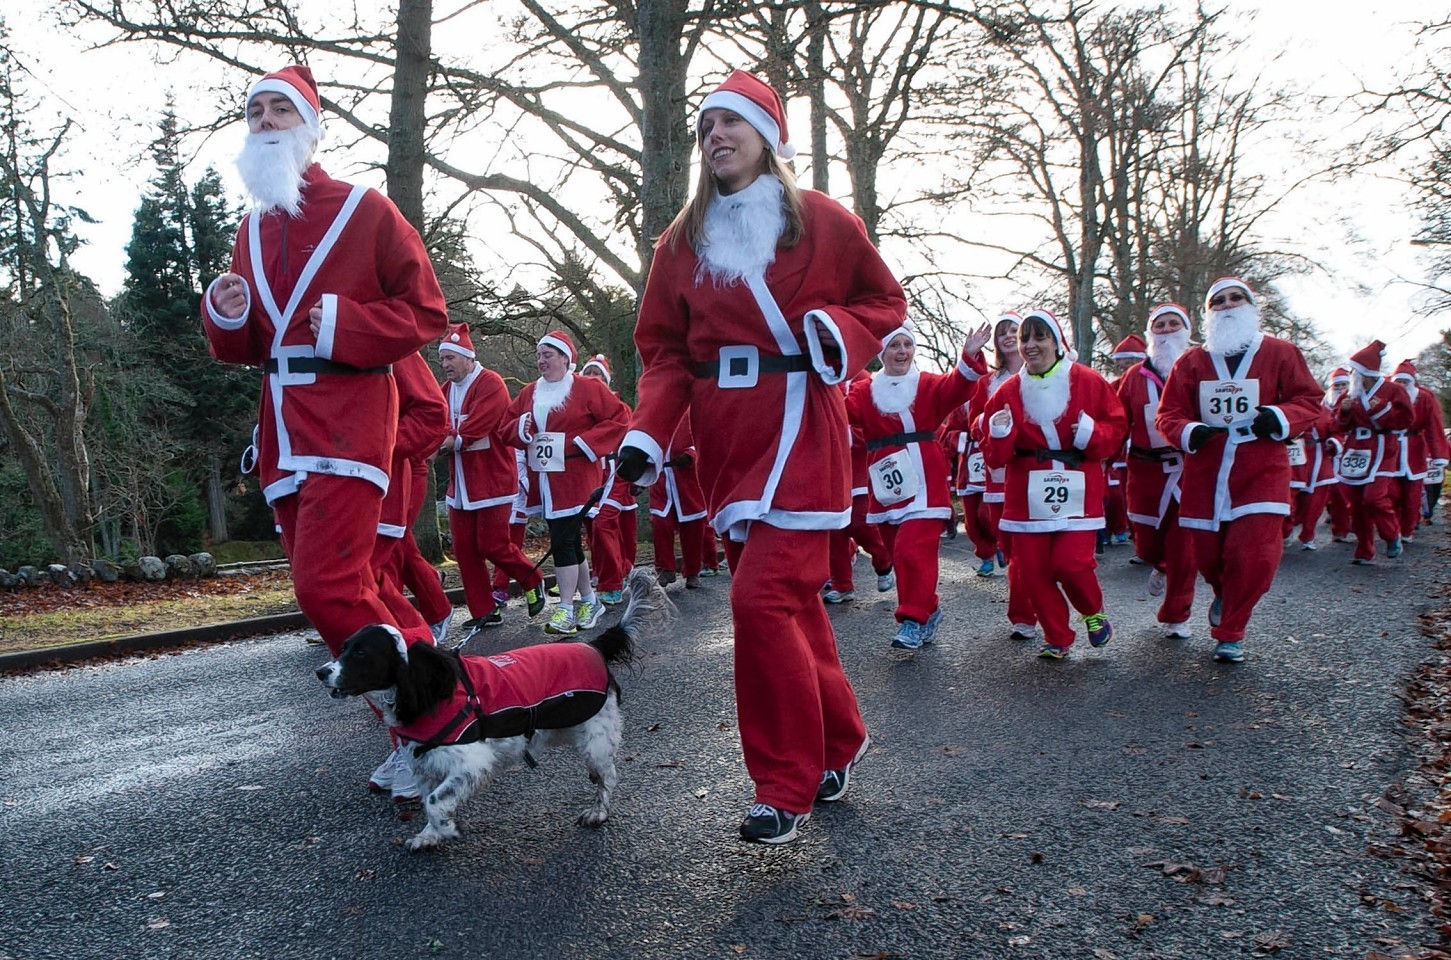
(1359, 230)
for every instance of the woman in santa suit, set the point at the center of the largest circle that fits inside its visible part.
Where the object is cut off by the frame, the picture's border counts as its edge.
(1312, 476)
(677, 504)
(1423, 449)
(859, 534)
(908, 493)
(565, 425)
(610, 530)
(1154, 470)
(970, 479)
(1051, 427)
(1372, 417)
(761, 298)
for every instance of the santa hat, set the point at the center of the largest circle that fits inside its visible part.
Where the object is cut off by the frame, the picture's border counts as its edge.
(907, 329)
(1131, 347)
(597, 362)
(457, 340)
(1225, 283)
(1368, 360)
(757, 103)
(1179, 311)
(560, 341)
(1406, 371)
(1339, 375)
(1056, 328)
(296, 84)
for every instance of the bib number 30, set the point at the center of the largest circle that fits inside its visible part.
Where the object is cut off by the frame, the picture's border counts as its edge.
(894, 479)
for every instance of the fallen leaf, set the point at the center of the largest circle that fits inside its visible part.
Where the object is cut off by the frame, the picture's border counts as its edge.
(365, 873)
(157, 923)
(1019, 941)
(1102, 804)
(155, 896)
(904, 905)
(702, 793)
(738, 947)
(1271, 941)
(1143, 920)
(251, 787)
(1077, 892)
(852, 912)
(84, 860)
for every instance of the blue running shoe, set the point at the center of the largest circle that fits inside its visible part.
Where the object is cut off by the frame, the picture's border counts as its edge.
(929, 629)
(909, 636)
(1002, 561)
(1100, 631)
(985, 569)
(1394, 548)
(1229, 652)
(1216, 610)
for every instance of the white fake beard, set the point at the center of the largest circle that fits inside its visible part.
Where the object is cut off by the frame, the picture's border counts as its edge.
(895, 394)
(741, 232)
(1045, 398)
(1165, 348)
(1358, 389)
(1411, 389)
(271, 165)
(1230, 331)
(549, 397)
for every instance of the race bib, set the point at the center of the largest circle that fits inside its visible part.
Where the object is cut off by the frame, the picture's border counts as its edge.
(1055, 494)
(1223, 402)
(894, 479)
(1296, 450)
(1355, 464)
(546, 453)
(976, 469)
(1435, 474)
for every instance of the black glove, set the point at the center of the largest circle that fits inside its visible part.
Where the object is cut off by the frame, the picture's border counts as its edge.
(632, 463)
(680, 460)
(1201, 435)
(1266, 424)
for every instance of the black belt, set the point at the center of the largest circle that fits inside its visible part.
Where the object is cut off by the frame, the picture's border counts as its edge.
(320, 365)
(768, 363)
(1154, 454)
(901, 439)
(1071, 456)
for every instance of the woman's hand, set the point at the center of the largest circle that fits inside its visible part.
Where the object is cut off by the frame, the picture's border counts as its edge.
(976, 340)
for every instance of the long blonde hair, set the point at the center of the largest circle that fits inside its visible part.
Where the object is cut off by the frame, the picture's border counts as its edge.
(690, 221)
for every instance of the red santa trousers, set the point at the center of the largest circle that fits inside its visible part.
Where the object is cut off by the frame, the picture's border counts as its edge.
(692, 532)
(1115, 509)
(1169, 549)
(516, 537)
(606, 558)
(797, 712)
(1338, 506)
(1055, 565)
(979, 526)
(386, 563)
(709, 549)
(1307, 508)
(1372, 511)
(1020, 604)
(865, 535)
(329, 527)
(414, 572)
(1407, 494)
(914, 545)
(480, 537)
(1239, 561)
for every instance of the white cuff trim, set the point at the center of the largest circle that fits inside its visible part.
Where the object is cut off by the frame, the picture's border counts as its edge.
(1283, 433)
(526, 437)
(328, 326)
(1083, 430)
(643, 441)
(813, 346)
(224, 322)
(579, 442)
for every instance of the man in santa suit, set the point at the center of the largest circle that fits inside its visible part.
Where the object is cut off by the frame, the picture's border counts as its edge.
(422, 425)
(1126, 353)
(611, 529)
(1371, 417)
(908, 493)
(1154, 470)
(329, 286)
(678, 504)
(1337, 500)
(761, 298)
(1312, 475)
(1052, 427)
(1423, 448)
(859, 534)
(565, 424)
(1230, 405)
(481, 485)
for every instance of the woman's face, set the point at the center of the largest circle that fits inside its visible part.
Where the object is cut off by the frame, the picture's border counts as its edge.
(898, 355)
(1040, 351)
(1007, 343)
(732, 148)
(551, 363)
(1167, 323)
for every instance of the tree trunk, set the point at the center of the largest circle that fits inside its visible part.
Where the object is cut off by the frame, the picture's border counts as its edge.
(407, 115)
(425, 528)
(216, 501)
(816, 94)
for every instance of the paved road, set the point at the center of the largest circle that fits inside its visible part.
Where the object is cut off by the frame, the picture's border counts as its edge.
(212, 803)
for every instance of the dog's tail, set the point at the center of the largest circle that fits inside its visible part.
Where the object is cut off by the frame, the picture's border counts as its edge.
(645, 602)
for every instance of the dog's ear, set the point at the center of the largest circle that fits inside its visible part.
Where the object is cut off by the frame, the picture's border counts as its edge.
(425, 681)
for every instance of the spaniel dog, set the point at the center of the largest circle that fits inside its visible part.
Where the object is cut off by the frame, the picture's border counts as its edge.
(464, 716)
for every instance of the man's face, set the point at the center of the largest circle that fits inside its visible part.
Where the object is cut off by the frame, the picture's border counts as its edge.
(1122, 364)
(455, 365)
(1167, 323)
(1228, 299)
(271, 111)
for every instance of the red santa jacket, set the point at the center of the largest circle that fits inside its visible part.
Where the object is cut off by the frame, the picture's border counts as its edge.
(997, 476)
(592, 420)
(1313, 456)
(1225, 480)
(905, 444)
(482, 470)
(1369, 423)
(862, 381)
(1043, 494)
(619, 493)
(327, 404)
(1424, 442)
(677, 492)
(422, 425)
(1154, 466)
(746, 358)
(549, 686)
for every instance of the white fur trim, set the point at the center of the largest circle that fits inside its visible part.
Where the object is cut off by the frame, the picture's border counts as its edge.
(217, 318)
(327, 327)
(749, 111)
(560, 345)
(455, 348)
(1083, 430)
(643, 441)
(813, 346)
(590, 454)
(1283, 433)
(967, 372)
(278, 85)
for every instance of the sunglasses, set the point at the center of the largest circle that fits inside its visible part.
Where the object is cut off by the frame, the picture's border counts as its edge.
(1233, 296)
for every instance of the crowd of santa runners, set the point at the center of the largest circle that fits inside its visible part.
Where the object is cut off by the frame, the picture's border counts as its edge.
(767, 448)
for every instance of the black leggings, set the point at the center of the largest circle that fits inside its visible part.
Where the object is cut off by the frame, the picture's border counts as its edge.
(565, 540)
